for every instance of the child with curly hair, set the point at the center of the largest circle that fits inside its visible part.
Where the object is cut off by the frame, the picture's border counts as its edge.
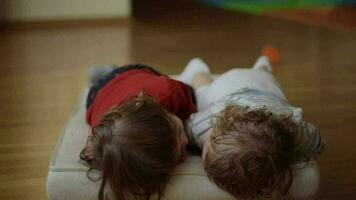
(137, 136)
(252, 139)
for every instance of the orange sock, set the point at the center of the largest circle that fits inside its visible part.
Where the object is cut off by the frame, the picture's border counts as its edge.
(272, 53)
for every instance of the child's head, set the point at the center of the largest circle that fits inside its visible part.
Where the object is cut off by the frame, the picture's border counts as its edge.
(136, 146)
(250, 153)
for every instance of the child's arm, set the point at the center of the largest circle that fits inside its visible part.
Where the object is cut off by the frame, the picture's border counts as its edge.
(197, 126)
(314, 143)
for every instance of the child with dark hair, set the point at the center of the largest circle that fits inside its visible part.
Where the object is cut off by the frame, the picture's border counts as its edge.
(252, 139)
(137, 136)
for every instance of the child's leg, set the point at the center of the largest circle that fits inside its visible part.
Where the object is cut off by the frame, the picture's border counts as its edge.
(270, 57)
(264, 79)
(258, 77)
(197, 75)
(201, 83)
(97, 73)
(263, 63)
(201, 80)
(194, 67)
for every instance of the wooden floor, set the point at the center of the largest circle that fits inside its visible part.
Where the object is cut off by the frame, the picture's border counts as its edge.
(44, 67)
(333, 17)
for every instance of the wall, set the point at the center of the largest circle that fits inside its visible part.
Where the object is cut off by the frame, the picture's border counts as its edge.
(47, 10)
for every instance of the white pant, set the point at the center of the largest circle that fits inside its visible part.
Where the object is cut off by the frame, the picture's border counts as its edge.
(257, 77)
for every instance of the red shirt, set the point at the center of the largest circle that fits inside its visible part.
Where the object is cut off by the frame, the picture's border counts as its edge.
(173, 95)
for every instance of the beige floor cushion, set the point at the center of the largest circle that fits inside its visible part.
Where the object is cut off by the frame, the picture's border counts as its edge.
(67, 178)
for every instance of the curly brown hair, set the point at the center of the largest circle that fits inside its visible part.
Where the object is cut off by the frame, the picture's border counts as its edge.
(135, 147)
(252, 153)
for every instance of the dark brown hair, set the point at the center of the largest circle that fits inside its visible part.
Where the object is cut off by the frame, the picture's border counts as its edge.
(252, 153)
(135, 147)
